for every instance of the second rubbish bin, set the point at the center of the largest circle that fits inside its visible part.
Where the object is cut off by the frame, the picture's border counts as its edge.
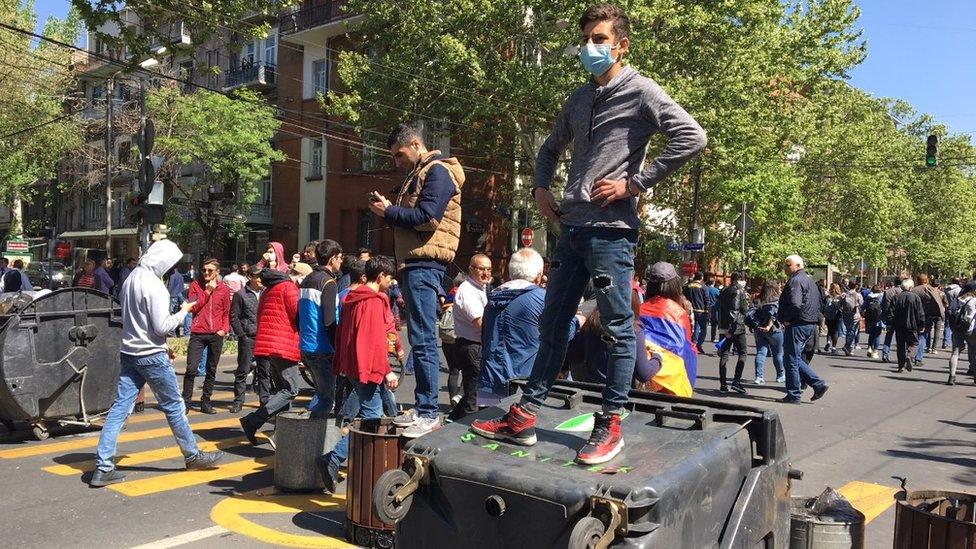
(299, 442)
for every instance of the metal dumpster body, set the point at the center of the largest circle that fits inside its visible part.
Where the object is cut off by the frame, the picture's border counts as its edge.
(59, 357)
(694, 473)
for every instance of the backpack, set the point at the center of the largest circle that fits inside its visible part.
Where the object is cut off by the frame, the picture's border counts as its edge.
(831, 308)
(445, 326)
(848, 303)
(954, 305)
(959, 319)
(872, 309)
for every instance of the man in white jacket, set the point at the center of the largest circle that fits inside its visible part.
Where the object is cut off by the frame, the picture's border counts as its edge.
(145, 359)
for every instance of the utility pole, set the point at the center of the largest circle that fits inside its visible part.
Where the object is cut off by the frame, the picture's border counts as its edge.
(743, 231)
(109, 149)
(143, 226)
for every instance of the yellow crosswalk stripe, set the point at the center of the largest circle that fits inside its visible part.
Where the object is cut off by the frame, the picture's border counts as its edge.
(89, 442)
(149, 456)
(184, 479)
(868, 498)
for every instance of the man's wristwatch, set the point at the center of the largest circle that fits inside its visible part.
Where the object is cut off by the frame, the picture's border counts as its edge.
(632, 189)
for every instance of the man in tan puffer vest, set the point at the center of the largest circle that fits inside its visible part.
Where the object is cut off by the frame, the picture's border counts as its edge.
(426, 221)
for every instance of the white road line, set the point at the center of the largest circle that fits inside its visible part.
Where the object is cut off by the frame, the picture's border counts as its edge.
(183, 539)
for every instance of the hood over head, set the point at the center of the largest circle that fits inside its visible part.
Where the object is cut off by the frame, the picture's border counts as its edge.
(279, 251)
(161, 256)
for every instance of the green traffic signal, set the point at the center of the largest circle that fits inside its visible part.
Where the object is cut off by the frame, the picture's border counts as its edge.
(931, 151)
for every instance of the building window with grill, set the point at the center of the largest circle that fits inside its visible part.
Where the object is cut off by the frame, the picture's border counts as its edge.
(320, 76)
(271, 49)
(365, 228)
(315, 158)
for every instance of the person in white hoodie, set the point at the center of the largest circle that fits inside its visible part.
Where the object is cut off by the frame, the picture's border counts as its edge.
(146, 321)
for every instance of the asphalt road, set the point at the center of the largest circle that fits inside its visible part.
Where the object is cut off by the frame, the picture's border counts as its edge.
(871, 426)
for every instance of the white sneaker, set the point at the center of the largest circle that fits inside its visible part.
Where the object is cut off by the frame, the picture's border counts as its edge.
(455, 399)
(423, 426)
(759, 381)
(407, 418)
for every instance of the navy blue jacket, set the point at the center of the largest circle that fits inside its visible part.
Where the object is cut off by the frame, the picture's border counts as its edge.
(438, 190)
(800, 302)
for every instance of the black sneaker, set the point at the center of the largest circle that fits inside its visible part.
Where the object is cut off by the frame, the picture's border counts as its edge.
(789, 400)
(723, 389)
(817, 393)
(952, 380)
(207, 408)
(329, 472)
(204, 460)
(909, 366)
(235, 408)
(139, 408)
(102, 478)
(737, 387)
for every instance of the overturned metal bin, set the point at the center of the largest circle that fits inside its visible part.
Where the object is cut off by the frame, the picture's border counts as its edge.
(59, 357)
(935, 519)
(299, 441)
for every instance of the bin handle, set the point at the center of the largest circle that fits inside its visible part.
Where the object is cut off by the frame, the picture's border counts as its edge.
(699, 420)
(571, 399)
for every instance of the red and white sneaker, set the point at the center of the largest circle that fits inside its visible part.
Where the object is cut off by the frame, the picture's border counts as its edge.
(605, 440)
(517, 426)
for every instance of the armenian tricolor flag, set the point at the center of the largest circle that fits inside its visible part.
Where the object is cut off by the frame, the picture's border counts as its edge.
(667, 338)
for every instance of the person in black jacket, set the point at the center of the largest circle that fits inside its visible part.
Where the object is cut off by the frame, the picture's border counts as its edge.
(733, 304)
(701, 304)
(799, 312)
(244, 321)
(907, 315)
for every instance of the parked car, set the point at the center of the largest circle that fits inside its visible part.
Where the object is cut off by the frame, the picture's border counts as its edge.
(40, 278)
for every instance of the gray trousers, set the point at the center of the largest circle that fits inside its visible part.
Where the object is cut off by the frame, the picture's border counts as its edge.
(287, 381)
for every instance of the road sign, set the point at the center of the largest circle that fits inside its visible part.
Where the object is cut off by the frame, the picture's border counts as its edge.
(689, 268)
(674, 247)
(17, 245)
(693, 246)
(528, 236)
(744, 222)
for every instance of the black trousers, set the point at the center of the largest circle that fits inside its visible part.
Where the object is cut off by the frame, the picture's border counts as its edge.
(215, 345)
(737, 344)
(453, 369)
(907, 345)
(262, 372)
(467, 356)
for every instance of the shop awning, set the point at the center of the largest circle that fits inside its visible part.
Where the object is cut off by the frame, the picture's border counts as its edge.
(127, 231)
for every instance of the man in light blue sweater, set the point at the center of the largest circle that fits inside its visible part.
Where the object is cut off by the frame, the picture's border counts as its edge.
(609, 121)
(146, 321)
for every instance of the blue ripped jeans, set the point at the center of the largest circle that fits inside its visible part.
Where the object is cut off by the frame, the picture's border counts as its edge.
(605, 256)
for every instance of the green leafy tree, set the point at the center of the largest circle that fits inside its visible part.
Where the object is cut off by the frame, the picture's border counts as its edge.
(35, 96)
(226, 141)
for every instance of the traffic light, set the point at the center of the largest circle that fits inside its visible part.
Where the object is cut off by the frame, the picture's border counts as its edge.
(932, 151)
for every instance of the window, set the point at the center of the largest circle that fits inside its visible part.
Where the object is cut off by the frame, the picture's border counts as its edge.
(437, 134)
(315, 158)
(187, 73)
(372, 154)
(213, 60)
(98, 92)
(313, 226)
(365, 228)
(96, 209)
(264, 193)
(320, 76)
(271, 49)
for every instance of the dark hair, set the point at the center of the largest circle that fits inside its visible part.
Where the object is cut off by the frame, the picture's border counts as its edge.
(362, 251)
(211, 261)
(698, 276)
(311, 244)
(354, 267)
(326, 250)
(852, 285)
(379, 265)
(770, 291)
(403, 134)
(18, 264)
(4, 260)
(607, 12)
(130, 259)
(670, 289)
(736, 276)
(595, 326)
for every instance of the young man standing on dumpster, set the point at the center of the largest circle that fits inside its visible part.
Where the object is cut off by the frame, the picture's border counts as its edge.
(146, 322)
(609, 122)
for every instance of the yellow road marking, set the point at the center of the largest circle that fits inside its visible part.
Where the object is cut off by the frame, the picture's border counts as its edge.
(230, 512)
(89, 442)
(183, 479)
(149, 456)
(870, 499)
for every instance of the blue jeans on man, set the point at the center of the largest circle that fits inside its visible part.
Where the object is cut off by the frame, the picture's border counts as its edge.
(605, 256)
(701, 327)
(927, 336)
(795, 339)
(420, 287)
(769, 343)
(852, 330)
(320, 365)
(157, 371)
(370, 407)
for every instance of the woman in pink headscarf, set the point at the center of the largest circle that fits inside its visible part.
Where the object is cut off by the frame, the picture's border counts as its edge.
(274, 258)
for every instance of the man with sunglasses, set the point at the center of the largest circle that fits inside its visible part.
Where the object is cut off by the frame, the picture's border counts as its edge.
(211, 324)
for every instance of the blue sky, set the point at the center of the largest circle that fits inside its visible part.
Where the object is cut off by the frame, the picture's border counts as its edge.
(920, 51)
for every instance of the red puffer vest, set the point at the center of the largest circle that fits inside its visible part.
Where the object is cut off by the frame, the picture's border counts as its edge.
(278, 318)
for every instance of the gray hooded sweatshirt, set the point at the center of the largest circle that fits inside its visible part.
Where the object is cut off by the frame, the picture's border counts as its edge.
(145, 302)
(610, 128)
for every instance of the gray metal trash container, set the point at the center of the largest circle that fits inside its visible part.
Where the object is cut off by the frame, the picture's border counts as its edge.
(59, 357)
(299, 442)
(811, 532)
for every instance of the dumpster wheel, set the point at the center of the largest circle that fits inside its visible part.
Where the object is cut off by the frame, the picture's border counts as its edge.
(39, 430)
(385, 503)
(587, 533)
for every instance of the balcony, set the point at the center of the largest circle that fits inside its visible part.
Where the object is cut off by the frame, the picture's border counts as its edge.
(98, 64)
(316, 23)
(260, 215)
(259, 75)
